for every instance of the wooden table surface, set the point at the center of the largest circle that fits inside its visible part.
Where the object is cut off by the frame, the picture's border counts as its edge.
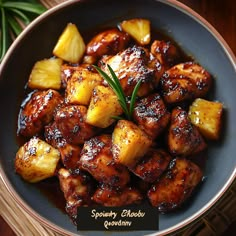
(222, 15)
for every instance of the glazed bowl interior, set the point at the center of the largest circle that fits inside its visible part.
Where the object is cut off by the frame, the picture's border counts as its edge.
(195, 36)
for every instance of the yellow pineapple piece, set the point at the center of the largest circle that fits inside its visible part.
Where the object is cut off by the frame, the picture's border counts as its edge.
(207, 116)
(80, 86)
(70, 45)
(130, 143)
(36, 160)
(103, 105)
(139, 29)
(46, 74)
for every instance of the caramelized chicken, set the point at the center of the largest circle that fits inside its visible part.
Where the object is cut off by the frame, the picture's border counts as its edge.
(175, 186)
(70, 121)
(108, 42)
(151, 115)
(109, 197)
(69, 153)
(185, 81)
(152, 165)
(77, 188)
(96, 158)
(53, 135)
(37, 110)
(183, 137)
(134, 64)
(165, 52)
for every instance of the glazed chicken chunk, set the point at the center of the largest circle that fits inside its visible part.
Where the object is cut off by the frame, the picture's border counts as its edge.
(152, 165)
(77, 188)
(134, 64)
(176, 185)
(111, 197)
(97, 159)
(70, 121)
(183, 137)
(37, 111)
(151, 115)
(184, 82)
(165, 52)
(108, 42)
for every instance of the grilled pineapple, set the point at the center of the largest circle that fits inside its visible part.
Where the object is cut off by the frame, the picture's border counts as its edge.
(139, 29)
(80, 86)
(207, 115)
(46, 74)
(130, 143)
(36, 160)
(103, 105)
(70, 45)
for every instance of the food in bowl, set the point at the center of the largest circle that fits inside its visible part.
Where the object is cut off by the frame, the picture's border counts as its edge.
(119, 120)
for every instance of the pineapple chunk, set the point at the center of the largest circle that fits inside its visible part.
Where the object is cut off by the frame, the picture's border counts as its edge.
(207, 116)
(36, 160)
(80, 86)
(46, 74)
(70, 45)
(103, 105)
(130, 143)
(139, 29)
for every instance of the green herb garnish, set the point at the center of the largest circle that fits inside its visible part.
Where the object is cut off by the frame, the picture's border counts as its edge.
(15, 15)
(114, 83)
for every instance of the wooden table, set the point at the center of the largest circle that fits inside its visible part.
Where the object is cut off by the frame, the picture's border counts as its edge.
(222, 15)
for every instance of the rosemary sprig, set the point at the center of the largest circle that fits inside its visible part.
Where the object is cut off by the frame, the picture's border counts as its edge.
(114, 83)
(15, 15)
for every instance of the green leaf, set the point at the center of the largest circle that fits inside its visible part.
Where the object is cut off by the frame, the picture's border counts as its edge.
(22, 16)
(25, 6)
(4, 34)
(116, 86)
(15, 26)
(134, 96)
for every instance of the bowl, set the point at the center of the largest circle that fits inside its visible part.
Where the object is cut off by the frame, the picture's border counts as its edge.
(189, 30)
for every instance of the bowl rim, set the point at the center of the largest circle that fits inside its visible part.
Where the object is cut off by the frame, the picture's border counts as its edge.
(177, 227)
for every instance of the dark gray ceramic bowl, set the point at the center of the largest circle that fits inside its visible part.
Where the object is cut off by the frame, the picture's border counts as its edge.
(188, 29)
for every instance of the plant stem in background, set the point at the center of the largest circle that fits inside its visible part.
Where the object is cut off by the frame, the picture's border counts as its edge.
(15, 15)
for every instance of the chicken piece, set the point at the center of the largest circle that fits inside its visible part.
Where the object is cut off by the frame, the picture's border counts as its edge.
(165, 52)
(36, 160)
(77, 188)
(53, 135)
(139, 29)
(151, 115)
(176, 185)
(37, 110)
(111, 197)
(80, 86)
(152, 165)
(70, 155)
(96, 158)
(130, 143)
(183, 137)
(108, 42)
(184, 82)
(207, 116)
(134, 64)
(70, 121)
